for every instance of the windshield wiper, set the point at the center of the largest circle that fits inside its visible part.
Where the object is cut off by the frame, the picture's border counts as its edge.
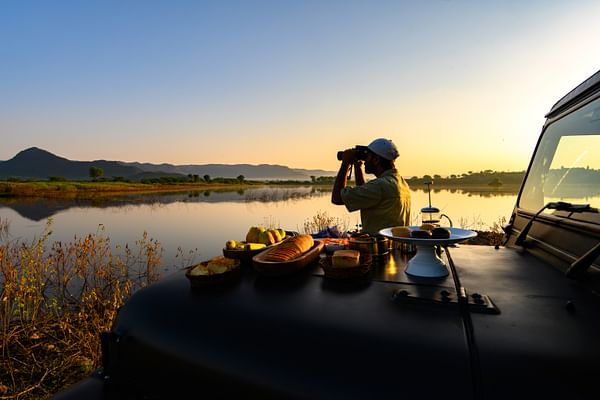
(553, 205)
(581, 265)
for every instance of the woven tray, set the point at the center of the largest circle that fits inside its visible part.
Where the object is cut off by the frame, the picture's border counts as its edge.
(357, 272)
(199, 281)
(245, 256)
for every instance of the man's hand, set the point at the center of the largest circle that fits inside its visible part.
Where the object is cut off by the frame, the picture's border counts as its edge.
(349, 156)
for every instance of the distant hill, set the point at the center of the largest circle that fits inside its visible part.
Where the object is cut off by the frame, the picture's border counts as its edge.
(258, 172)
(37, 163)
(41, 164)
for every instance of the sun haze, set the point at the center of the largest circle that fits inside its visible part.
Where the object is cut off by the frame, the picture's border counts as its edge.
(458, 85)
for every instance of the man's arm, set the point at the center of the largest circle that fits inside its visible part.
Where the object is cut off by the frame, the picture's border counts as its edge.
(341, 180)
(359, 175)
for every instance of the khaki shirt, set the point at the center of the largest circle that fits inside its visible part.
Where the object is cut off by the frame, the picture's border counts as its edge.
(383, 202)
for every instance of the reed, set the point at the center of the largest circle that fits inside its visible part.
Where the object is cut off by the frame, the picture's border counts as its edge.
(321, 221)
(55, 300)
(486, 235)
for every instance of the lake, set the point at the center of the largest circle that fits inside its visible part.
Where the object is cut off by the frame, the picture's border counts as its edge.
(200, 222)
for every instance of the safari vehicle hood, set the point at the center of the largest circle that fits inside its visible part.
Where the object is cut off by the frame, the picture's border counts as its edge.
(307, 337)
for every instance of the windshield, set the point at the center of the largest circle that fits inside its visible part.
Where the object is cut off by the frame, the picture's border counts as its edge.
(566, 166)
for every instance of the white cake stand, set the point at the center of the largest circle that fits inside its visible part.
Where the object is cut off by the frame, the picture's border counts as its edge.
(426, 263)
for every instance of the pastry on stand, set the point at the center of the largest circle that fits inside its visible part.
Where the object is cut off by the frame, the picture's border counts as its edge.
(426, 263)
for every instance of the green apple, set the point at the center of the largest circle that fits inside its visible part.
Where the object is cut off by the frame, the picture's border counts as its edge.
(252, 235)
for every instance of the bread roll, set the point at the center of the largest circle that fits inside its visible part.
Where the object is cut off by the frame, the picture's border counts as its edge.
(290, 248)
(214, 266)
(420, 234)
(345, 258)
(401, 231)
(440, 233)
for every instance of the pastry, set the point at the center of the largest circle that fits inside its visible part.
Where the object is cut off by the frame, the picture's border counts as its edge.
(420, 234)
(440, 233)
(345, 258)
(401, 231)
(214, 266)
(290, 248)
(427, 226)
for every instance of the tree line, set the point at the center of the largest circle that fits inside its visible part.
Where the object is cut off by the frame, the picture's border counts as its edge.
(486, 177)
(96, 174)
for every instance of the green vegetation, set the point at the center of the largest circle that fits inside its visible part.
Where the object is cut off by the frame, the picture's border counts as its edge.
(60, 188)
(54, 301)
(57, 186)
(321, 180)
(485, 178)
(96, 172)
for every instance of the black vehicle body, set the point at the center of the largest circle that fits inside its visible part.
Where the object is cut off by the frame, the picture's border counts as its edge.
(510, 321)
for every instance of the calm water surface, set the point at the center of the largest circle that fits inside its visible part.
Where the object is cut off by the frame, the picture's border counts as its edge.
(199, 223)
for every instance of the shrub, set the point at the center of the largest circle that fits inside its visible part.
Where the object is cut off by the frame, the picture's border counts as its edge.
(321, 221)
(55, 301)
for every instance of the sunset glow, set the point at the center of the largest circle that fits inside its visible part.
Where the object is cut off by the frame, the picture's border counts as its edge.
(459, 86)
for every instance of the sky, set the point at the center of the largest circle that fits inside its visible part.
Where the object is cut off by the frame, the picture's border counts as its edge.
(458, 85)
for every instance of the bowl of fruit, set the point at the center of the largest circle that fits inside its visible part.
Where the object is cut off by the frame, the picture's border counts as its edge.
(258, 239)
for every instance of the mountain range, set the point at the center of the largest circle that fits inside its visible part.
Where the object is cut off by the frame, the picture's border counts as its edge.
(36, 163)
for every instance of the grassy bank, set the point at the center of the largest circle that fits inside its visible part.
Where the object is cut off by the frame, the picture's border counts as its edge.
(55, 299)
(88, 189)
(91, 189)
(467, 188)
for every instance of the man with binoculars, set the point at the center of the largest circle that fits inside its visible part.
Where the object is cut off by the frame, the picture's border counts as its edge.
(383, 202)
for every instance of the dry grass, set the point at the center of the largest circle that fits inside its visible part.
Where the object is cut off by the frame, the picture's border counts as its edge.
(321, 221)
(56, 299)
(487, 236)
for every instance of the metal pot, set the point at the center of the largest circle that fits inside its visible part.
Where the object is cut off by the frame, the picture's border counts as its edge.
(366, 245)
(376, 246)
(384, 245)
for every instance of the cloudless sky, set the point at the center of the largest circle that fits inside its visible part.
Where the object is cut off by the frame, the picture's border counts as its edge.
(457, 85)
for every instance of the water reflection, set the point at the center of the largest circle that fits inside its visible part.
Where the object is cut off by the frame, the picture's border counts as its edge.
(507, 191)
(39, 209)
(194, 225)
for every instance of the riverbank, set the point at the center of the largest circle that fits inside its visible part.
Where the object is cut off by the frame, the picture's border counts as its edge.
(55, 299)
(467, 188)
(90, 189)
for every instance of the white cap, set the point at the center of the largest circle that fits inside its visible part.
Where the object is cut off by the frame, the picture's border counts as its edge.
(384, 148)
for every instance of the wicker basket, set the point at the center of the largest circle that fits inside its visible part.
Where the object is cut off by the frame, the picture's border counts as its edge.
(358, 272)
(245, 256)
(200, 281)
